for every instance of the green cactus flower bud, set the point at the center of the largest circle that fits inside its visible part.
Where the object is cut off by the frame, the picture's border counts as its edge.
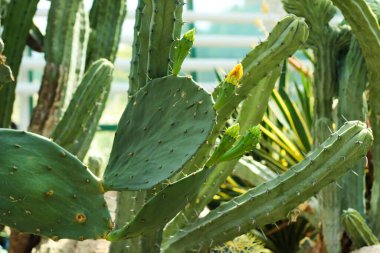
(227, 141)
(190, 35)
(244, 145)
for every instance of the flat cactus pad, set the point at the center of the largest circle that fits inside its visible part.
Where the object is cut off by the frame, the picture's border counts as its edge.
(162, 127)
(47, 191)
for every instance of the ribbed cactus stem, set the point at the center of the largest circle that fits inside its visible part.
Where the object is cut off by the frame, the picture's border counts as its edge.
(77, 127)
(134, 69)
(16, 28)
(353, 105)
(58, 54)
(163, 33)
(275, 199)
(129, 204)
(142, 60)
(106, 21)
(326, 41)
(365, 26)
(357, 228)
(81, 35)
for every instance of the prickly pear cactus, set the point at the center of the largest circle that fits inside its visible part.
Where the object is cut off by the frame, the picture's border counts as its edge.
(162, 127)
(47, 191)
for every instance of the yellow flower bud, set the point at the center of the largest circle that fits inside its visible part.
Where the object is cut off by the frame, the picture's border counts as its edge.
(235, 75)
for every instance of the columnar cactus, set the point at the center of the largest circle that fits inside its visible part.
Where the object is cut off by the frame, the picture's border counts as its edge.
(353, 105)
(16, 28)
(58, 54)
(328, 42)
(365, 27)
(78, 125)
(106, 19)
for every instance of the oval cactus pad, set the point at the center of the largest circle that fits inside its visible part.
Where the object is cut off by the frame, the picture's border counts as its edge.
(162, 127)
(47, 191)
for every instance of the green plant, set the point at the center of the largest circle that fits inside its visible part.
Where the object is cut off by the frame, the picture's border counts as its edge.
(356, 227)
(65, 49)
(168, 152)
(366, 14)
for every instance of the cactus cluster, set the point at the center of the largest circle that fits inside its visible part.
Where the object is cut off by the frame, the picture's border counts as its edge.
(171, 151)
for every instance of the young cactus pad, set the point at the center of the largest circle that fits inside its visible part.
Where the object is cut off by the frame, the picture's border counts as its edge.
(47, 191)
(162, 127)
(274, 200)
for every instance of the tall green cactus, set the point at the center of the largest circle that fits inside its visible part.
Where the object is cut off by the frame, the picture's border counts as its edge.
(158, 25)
(353, 105)
(78, 125)
(16, 28)
(326, 41)
(58, 55)
(106, 19)
(365, 27)
(166, 20)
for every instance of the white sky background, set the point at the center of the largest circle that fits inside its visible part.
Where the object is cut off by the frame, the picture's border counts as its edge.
(209, 6)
